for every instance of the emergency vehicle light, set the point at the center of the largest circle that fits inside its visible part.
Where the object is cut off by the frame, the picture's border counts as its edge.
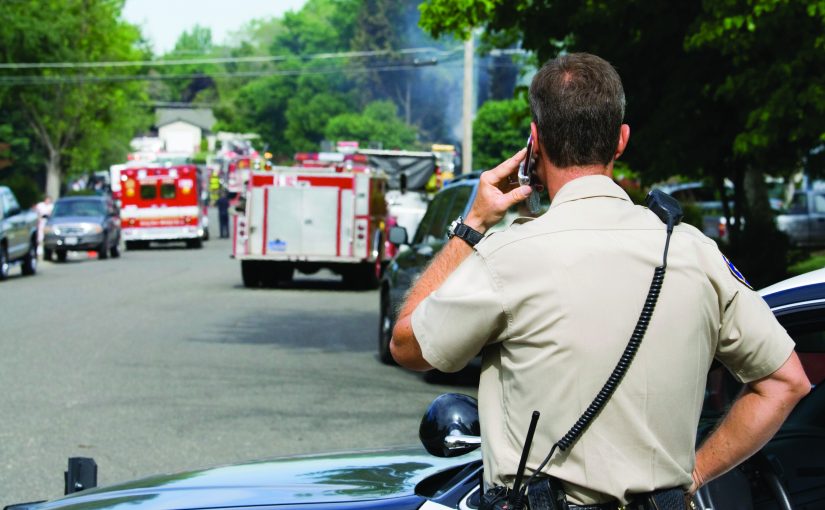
(330, 157)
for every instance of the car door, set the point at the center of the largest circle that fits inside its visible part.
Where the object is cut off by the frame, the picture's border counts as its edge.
(428, 239)
(112, 222)
(795, 457)
(16, 234)
(797, 452)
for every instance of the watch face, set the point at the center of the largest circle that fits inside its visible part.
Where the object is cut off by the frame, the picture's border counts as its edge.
(456, 222)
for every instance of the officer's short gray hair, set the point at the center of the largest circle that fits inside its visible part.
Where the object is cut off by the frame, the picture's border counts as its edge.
(577, 101)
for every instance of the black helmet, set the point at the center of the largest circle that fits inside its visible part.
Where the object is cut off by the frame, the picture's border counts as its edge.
(449, 414)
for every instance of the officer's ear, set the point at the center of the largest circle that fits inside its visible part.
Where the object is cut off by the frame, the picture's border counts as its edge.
(624, 137)
(534, 134)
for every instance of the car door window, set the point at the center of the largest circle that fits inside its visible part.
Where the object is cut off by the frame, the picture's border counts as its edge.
(819, 203)
(438, 228)
(459, 203)
(435, 210)
(9, 204)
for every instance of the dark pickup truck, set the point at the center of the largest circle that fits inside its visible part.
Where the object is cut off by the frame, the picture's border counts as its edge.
(18, 235)
(804, 220)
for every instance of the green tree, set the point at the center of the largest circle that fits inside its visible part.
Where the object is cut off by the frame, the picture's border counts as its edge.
(500, 129)
(75, 115)
(191, 44)
(715, 90)
(320, 26)
(291, 108)
(18, 163)
(378, 123)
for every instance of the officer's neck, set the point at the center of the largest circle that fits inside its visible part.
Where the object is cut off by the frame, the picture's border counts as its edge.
(556, 177)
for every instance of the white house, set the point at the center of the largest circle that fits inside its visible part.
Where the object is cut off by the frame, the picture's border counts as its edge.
(182, 129)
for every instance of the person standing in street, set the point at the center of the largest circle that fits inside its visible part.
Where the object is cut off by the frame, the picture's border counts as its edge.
(222, 204)
(551, 302)
(44, 210)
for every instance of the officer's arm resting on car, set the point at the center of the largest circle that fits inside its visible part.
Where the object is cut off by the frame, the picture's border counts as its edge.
(752, 420)
(495, 195)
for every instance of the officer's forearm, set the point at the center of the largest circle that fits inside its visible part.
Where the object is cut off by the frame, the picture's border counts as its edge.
(404, 346)
(447, 260)
(752, 420)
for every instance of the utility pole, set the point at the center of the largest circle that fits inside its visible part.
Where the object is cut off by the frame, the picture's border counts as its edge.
(467, 117)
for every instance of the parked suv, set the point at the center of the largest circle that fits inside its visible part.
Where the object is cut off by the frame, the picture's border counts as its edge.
(18, 235)
(82, 223)
(452, 201)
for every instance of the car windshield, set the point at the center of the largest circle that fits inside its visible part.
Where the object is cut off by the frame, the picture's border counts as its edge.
(86, 208)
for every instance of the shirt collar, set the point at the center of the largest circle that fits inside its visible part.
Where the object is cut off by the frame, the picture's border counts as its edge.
(589, 186)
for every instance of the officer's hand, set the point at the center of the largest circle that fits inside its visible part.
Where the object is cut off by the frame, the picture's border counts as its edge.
(497, 192)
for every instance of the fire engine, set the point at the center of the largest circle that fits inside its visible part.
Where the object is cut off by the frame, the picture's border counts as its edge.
(162, 204)
(321, 214)
(234, 172)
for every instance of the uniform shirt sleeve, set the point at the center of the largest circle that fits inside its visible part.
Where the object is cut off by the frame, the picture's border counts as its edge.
(456, 321)
(752, 343)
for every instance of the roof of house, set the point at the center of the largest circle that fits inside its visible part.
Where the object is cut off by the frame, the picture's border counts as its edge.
(200, 117)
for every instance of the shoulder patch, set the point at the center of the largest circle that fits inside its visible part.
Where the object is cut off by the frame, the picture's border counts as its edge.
(736, 274)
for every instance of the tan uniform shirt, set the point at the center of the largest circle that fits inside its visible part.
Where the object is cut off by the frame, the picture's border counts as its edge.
(552, 303)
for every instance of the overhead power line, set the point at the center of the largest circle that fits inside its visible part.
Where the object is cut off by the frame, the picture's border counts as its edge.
(78, 79)
(226, 60)
(430, 57)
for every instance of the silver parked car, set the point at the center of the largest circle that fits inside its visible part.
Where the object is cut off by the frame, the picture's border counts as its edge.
(804, 220)
(82, 223)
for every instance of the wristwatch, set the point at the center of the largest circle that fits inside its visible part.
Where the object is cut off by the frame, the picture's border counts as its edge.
(463, 231)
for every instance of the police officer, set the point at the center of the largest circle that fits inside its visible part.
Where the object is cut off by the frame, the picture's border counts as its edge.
(550, 303)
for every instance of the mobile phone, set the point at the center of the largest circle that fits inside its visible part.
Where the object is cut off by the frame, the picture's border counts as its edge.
(527, 176)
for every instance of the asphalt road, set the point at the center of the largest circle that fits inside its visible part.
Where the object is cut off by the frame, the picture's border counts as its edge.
(160, 361)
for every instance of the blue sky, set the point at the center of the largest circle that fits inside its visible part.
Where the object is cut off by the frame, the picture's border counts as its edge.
(162, 21)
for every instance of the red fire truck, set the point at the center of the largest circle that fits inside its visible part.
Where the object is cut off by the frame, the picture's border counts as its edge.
(162, 204)
(310, 217)
(234, 172)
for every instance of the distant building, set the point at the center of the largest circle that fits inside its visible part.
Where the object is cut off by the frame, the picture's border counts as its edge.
(182, 129)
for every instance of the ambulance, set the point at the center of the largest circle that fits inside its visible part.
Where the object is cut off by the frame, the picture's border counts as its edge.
(327, 212)
(162, 204)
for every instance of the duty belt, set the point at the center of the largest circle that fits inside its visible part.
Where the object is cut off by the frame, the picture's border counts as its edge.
(544, 495)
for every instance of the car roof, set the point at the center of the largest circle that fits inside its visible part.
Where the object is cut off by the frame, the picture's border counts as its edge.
(670, 188)
(463, 178)
(76, 198)
(808, 288)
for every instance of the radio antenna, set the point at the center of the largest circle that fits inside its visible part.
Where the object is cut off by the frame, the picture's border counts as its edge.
(516, 498)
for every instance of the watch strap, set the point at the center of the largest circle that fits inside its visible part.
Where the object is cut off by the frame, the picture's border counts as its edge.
(468, 234)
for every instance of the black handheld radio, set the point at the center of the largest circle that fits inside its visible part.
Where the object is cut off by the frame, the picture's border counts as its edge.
(667, 209)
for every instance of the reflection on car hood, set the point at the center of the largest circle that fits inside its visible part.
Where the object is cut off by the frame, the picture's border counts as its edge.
(74, 220)
(332, 479)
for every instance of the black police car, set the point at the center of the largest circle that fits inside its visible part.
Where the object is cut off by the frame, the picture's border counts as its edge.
(789, 472)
